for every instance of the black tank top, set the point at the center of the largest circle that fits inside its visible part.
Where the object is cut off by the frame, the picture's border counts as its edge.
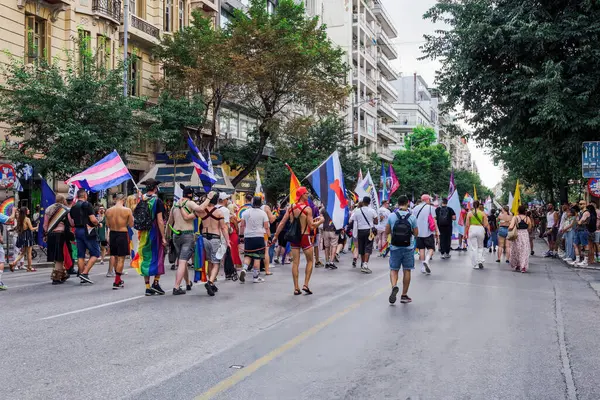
(522, 224)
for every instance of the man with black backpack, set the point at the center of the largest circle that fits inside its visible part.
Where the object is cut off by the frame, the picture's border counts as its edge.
(402, 226)
(445, 216)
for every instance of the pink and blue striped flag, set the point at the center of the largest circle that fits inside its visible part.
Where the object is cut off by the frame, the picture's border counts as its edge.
(106, 173)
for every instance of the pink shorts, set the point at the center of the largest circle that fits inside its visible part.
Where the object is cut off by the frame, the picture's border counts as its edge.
(305, 243)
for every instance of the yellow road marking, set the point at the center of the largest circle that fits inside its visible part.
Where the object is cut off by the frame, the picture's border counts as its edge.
(261, 362)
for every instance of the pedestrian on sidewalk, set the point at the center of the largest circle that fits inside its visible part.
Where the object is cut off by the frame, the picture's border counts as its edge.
(552, 224)
(520, 252)
(568, 232)
(428, 232)
(504, 220)
(57, 229)
(365, 219)
(582, 236)
(477, 225)
(4, 219)
(402, 227)
(445, 216)
(25, 239)
(591, 227)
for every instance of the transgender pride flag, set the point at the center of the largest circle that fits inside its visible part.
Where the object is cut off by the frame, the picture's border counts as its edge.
(106, 173)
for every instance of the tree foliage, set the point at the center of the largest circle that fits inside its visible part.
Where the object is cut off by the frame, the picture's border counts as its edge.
(285, 60)
(526, 75)
(422, 136)
(63, 119)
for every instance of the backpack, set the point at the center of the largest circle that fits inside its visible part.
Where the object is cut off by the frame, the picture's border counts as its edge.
(592, 222)
(402, 231)
(444, 217)
(142, 217)
(294, 233)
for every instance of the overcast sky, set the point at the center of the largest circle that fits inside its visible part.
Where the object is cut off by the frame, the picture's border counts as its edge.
(408, 18)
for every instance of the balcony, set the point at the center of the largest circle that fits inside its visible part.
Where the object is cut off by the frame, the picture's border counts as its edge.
(360, 20)
(388, 90)
(385, 132)
(366, 52)
(384, 19)
(366, 105)
(142, 31)
(385, 110)
(386, 46)
(386, 68)
(384, 152)
(205, 5)
(366, 80)
(110, 9)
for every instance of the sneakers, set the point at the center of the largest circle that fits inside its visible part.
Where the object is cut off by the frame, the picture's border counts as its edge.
(475, 266)
(178, 291)
(443, 256)
(337, 258)
(354, 263)
(110, 274)
(332, 266)
(480, 265)
(548, 254)
(422, 269)
(490, 250)
(242, 276)
(427, 269)
(572, 262)
(209, 289)
(276, 261)
(85, 279)
(189, 287)
(120, 285)
(365, 269)
(582, 264)
(214, 287)
(157, 289)
(150, 292)
(393, 295)
(3, 286)
(497, 261)
(405, 299)
(319, 264)
(447, 256)
(258, 280)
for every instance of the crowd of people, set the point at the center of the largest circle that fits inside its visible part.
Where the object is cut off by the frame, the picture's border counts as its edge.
(247, 239)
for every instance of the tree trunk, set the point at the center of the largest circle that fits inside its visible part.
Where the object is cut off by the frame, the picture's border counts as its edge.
(264, 135)
(564, 192)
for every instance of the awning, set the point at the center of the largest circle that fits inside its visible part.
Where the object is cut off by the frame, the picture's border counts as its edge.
(185, 174)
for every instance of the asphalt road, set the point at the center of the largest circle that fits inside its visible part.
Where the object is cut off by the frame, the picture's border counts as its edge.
(469, 334)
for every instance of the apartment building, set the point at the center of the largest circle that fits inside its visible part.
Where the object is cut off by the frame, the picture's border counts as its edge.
(366, 31)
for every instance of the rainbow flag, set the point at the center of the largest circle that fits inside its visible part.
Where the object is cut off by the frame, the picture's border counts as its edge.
(130, 238)
(384, 249)
(7, 206)
(242, 209)
(468, 200)
(200, 263)
(150, 258)
(294, 185)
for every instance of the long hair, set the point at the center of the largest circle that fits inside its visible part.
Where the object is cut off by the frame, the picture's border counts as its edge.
(21, 221)
(131, 202)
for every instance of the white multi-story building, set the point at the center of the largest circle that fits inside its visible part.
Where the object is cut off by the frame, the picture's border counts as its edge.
(365, 30)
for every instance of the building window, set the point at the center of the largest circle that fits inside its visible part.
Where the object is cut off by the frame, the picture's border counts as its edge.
(225, 16)
(224, 126)
(233, 126)
(181, 13)
(85, 48)
(168, 15)
(271, 4)
(37, 34)
(243, 128)
(132, 7)
(103, 46)
(134, 69)
(310, 7)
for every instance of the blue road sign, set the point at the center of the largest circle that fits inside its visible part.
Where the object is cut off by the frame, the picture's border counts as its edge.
(590, 160)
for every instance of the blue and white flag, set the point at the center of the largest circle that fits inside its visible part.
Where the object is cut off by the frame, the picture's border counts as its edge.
(203, 167)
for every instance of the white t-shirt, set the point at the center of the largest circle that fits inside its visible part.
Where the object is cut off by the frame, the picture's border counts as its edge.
(255, 220)
(423, 218)
(384, 214)
(360, 220)
(226, 214)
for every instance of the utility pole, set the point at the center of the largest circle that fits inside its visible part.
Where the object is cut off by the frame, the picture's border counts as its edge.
(125, 34)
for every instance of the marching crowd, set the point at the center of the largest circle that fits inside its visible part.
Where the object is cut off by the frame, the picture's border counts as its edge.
(246, 239)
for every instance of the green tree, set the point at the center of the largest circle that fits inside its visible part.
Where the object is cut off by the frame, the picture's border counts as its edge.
(285, 60)
(465, 181)
(62, 120)
(524, 73)
(422, 136)
(200, 73)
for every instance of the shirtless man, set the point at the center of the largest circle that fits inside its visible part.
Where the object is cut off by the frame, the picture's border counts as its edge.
(181, 226)
(302, 211)
(213, 227)
(118, 218)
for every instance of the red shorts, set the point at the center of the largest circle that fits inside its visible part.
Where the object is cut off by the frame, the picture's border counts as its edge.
(305, 243)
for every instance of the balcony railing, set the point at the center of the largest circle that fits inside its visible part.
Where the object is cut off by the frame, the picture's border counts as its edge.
(108, 8)
(361, 19)
(384, 130)
(387, 109)
(389, 71)
(144, 26)
(386, 86)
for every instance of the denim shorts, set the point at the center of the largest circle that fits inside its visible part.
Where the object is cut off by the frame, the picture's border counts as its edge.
(84, 243)
(402, 258)
(503, 231)
(581, 238)
(597, 237)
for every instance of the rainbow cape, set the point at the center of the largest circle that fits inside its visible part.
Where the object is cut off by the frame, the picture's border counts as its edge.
(7, 206)
(150, 258)
(242, 209)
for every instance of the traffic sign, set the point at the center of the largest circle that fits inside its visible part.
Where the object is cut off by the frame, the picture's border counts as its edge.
(594, 187)
(590, 160)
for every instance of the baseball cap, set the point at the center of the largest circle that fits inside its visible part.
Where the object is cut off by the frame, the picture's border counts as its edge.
(151, 183)
(223, 196)
(426, 198)
(301, 192)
